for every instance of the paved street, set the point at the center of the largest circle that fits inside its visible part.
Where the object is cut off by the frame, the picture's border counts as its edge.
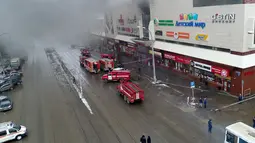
(53, 111)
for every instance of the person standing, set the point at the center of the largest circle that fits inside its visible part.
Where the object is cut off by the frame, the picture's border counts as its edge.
(205, 102)
(188, 100)
(200, 103)
(143, 139)
(74, 81)
(149, 139)
(253, 122)
(210, 126)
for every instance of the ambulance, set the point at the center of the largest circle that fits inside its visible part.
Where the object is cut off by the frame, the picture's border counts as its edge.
(106, 64)
(117, 75)
(92, 65)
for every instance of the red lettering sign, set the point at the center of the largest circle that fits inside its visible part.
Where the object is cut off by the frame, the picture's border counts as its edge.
(220, 71)
(179, 59)
(249, 73)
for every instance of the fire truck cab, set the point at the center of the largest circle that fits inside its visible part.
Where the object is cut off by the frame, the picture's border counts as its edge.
(81, 60)
(85, 52)
(107, 55)
(131, 92)
(117, 75)
(106, 64)
(92, 65)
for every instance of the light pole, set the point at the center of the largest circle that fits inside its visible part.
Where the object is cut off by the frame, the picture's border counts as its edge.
(153, 54)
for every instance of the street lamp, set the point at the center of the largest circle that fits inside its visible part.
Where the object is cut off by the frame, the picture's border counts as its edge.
(153, 55)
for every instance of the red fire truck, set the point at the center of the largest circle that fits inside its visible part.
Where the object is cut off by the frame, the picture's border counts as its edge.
(81, 60)
(106, 64)
(117, 75)
(107, 55)
(131, 92)
(92, 65)
(85, 52)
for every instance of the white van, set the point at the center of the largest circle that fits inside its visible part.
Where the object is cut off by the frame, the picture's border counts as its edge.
(11, 131)
(15, 63)
(239, 133)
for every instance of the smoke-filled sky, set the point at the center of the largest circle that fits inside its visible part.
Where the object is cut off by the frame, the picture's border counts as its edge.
(61, 20)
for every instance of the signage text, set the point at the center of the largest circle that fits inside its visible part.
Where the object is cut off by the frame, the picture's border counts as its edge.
(132, 21)
(201, 37)
(190, 20)
(223, 18)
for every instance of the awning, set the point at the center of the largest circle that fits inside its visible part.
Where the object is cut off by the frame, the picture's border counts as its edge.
(209, 55)
(125, 38)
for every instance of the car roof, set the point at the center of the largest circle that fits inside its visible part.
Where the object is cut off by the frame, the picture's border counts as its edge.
(3, 97)
(5, 125)
(242, 130)
(14, 59)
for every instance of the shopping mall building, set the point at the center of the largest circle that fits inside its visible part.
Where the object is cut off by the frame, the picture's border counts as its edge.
(208, 41)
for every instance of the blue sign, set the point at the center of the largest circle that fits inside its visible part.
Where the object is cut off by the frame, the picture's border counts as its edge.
(190, 20)
(192, 84)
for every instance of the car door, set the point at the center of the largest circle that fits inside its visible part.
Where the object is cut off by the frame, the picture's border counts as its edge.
(6, 86)
(12, 133)
(3, 136)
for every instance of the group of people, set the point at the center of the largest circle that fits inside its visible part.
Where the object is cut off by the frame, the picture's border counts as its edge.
(144, 140)
(202, 102)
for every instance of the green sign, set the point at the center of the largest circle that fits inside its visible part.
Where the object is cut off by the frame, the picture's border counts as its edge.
(163, 22)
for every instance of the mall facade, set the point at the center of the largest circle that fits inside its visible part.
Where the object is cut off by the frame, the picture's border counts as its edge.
(210, 42)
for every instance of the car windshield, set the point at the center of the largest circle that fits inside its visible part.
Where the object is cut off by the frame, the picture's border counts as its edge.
(5, 103)
(17, 127)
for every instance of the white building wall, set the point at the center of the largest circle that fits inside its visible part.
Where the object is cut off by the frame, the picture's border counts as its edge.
(223, 35)
(249, 26)
(126, 19)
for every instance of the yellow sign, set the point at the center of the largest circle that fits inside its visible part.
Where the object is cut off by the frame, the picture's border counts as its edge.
(155, 52)
(201, 37)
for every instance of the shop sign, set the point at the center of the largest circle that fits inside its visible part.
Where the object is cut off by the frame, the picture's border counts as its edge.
(249, 1)
(202, 66)
(213, 69)
(128, 30)
(159, 33)
(121, 20)
(132, 20)
(220, 71)
(178, 35)
(178, 59)
(130, 45)
(158, 22)
(249, 73)
(190, 20)
(201, 37)
(156, 53)
(223, 18)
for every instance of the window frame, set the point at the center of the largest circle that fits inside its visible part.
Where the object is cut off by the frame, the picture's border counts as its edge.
(2, 133)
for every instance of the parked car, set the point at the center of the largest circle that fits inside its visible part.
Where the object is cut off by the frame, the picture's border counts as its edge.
(15, 78)
(5, 103)
(10, 131)
(6, 85)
